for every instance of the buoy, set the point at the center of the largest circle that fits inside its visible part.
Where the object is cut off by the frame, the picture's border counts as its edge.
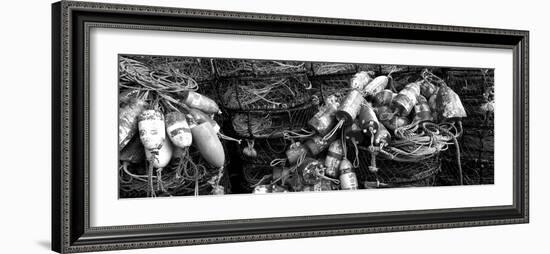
(316, 145)
(375, 86)
(152, 130)
(201, 117)
(448, 103)
(200, 102)
(422, 112)
(348, 179)
(354, 133)
(310, 170)
(295, 151)
(382, 136)
(335, 154)
(383, 98)
(349, 108)
(427, 89)
(324, 120)
(406, 99)
(178, 130)
(208, 144)
(160, 158)
(367, 119)
(360, 80)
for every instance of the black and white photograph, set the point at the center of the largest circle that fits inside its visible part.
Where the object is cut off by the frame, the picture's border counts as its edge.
(193, 126)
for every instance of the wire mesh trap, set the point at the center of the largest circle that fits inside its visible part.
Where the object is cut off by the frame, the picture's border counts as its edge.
(264, 93)
(245, 67)
(272, 124)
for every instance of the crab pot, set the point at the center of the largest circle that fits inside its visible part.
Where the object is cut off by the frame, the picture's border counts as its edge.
(350, 107)
(383, 98)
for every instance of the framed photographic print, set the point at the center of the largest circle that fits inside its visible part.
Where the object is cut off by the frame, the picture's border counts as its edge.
(181, 126)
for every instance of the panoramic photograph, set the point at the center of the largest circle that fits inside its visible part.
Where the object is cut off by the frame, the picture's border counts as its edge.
(193, 126)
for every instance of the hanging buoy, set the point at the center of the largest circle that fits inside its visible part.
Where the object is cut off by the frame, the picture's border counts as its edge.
(152, 131)
(323, 121)
(348, 179)
(160, 158)
(249, 150)
(405, 100)
(316, 145)
(128, 120)
(383, 98)
(382, 136)
(360, 80)
(208, 144)
(367, 119)
(422, 112)
(178, 130)
(427, 89)
(433, 105)
(201, 117)
(295, 152)
(310, 170)
(200, 102)
(448, 103)
(375, 86)
(354, 133)
(335, 154)
(349, 108)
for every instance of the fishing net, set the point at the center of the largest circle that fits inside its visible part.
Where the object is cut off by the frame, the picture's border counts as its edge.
(337, 85)
(255, 174)
(245, 67)
(272, 124)
(264, 93)
(185, 176)
(266, 150)
(397, 173)
(476, 90)
(199, 69)
(322, 69)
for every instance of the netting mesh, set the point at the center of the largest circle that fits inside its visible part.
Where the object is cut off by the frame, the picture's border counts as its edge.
(245, 67)
(266, 150)
(199, 69)
(272, 124)
(393, 173)
(264, 93)
(476, 90)
(176, 181)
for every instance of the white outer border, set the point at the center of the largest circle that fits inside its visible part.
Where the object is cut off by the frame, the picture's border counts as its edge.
(107, 210)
